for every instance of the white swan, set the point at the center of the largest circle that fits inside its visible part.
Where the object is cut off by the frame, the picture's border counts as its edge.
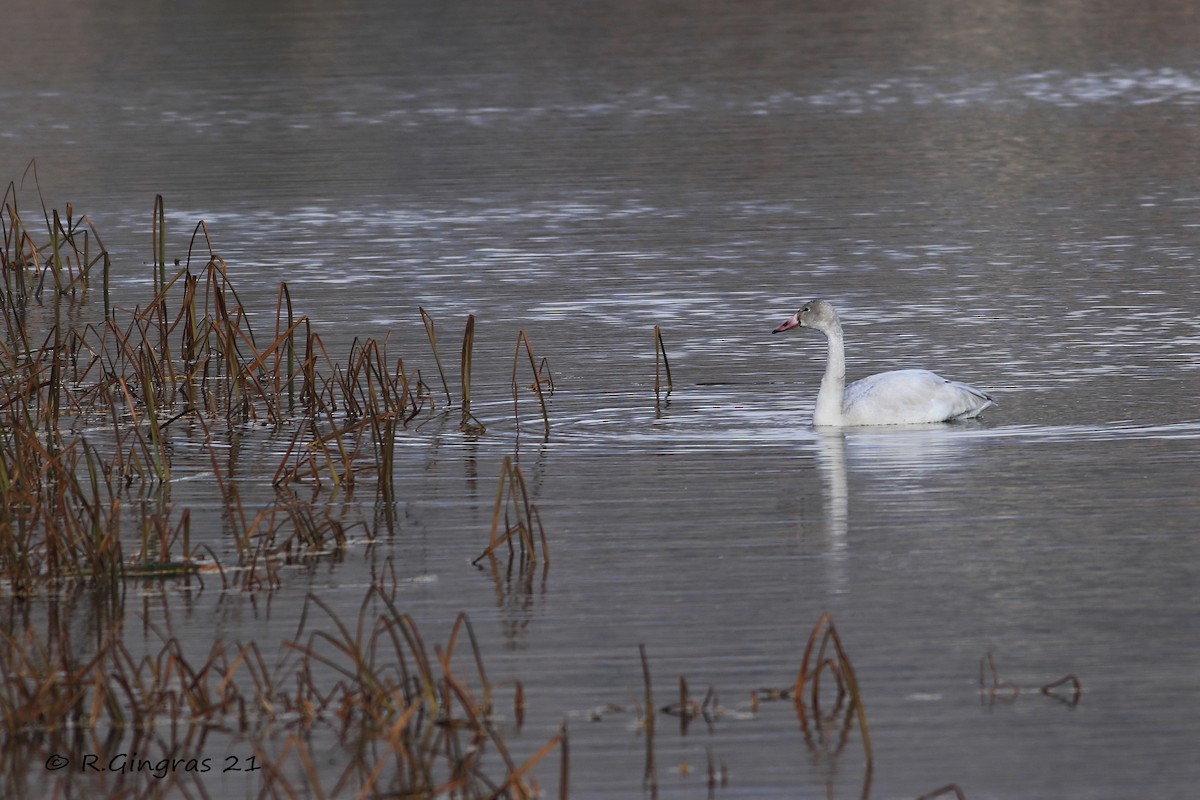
(900, 397)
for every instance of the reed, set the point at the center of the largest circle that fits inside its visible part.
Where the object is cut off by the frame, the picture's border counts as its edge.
(1076, 689)
(386, 400)
(996, 687)
(523, 340)
(107, 300)
(96, 512)
(688, 709)
(650, 774)
(132, 366)
(825, 632)
(413, 723)
(660, 354)
(288, 335)
(991, 688)
(469, 423)
(431, 333)
(420, 704)
(67, 258)
(56, 260)
(158, 241)
(521, 520)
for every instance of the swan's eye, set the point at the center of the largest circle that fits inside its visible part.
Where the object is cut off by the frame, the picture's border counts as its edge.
(804, 310)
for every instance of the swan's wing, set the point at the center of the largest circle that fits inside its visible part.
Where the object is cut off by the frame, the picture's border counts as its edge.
(909, 396)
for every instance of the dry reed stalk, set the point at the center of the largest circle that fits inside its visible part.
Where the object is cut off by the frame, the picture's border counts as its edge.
(513, 781)
(427, 729)
(650, 775)
(544, 377)
(1009, 691)
(469, 423)
(1076, 689)
(432, 334)
(997, 686)
(512, 494)
(158, 241)
(460, 623)
(387, 413)
(660, 349)
(191, 351)
(428, 718)
(68, 262)
(284, 300)
(522, 339)
(843, 672)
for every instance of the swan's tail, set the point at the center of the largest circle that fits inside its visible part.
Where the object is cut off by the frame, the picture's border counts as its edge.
(972, 401)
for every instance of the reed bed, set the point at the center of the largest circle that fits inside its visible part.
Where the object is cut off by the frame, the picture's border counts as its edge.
(64, 260)
(413, 721)
(92, 417)
(90, 412)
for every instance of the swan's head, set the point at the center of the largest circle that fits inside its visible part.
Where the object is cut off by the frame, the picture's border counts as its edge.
(817, 314)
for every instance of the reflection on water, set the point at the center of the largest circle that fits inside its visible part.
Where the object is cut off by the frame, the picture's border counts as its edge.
(997, 190)
(832, 464)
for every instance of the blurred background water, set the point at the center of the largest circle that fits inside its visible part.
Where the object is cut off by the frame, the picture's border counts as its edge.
(1001, 191)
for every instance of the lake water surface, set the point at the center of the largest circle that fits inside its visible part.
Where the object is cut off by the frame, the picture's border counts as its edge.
(1005, 192)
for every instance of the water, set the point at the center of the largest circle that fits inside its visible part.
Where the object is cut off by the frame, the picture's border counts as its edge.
(1002, 192)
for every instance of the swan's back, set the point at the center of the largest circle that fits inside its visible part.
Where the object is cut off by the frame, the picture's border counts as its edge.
(910, 396)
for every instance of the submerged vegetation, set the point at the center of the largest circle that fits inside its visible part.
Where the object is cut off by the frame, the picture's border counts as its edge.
(95, 414)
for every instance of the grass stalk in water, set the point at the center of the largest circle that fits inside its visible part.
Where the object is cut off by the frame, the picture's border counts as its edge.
(432, 334)
(660, 350)
(158, 241)
(843, 672)
(522, 339)
(650, 778)
(158, 449)
(512, 495)
(469, 423)
(285, 300)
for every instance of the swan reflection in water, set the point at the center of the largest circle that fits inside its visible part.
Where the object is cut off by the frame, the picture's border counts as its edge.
(905, 457)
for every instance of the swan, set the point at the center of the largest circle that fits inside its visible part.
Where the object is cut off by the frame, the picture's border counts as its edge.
(899, 397)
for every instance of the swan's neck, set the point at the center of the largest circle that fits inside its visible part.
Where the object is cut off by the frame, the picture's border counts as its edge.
(833, 384)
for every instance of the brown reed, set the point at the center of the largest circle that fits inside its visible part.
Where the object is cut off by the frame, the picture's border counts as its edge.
(419, 725)
(470, 424)
(523, 339)
(996, 689)
(143, 373)
(847, 687)
(66, 523)
(521, 520)
(432, 334)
